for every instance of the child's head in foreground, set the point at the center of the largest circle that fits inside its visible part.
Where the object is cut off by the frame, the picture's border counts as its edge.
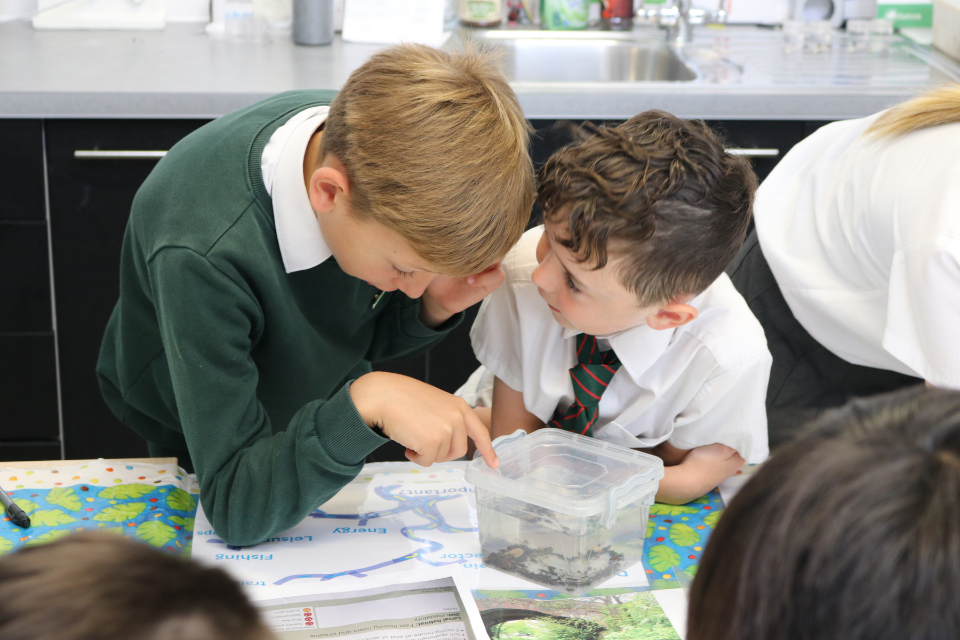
(639, 219)
(851, 532)
(98, 586)
(434, 147)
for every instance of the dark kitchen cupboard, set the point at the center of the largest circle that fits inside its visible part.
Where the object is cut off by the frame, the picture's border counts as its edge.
(29, 416)
(89, 205)
(51, 323)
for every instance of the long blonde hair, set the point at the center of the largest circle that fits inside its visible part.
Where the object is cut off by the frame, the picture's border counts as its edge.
(932, 109)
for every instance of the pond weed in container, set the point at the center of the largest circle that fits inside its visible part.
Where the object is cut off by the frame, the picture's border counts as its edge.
(563, 510)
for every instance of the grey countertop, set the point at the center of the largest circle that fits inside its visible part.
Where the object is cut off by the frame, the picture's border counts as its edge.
(180, 72)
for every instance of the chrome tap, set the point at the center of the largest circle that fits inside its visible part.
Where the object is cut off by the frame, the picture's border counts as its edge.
(678, 18)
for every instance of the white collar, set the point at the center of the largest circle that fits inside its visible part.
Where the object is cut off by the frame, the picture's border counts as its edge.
(301, 244)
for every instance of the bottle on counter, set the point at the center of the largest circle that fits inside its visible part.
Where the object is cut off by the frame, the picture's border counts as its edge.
(481, 13)
(313, 22)
(618, 14)
(565, 14)
(523, 13)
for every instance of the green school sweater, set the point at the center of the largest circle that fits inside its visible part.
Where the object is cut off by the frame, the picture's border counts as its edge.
(215, 349)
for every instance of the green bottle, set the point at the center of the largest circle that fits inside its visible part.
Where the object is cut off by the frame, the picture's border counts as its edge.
(564, 14)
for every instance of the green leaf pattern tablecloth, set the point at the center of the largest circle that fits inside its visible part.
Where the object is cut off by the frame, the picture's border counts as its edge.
(152, 503)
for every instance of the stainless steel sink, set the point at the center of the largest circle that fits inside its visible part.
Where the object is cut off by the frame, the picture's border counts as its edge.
(584, 56)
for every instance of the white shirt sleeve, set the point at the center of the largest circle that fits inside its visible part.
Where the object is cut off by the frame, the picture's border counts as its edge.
(923, 310)
(729, 409)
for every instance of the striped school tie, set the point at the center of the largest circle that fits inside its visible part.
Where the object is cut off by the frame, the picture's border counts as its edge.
(590, 378)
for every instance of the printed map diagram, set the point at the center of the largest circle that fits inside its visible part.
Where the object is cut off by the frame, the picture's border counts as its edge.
(390, 518)
(424, 506)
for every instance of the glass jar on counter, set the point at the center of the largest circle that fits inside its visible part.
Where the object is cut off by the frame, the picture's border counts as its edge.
(481, 13)
(565, 14)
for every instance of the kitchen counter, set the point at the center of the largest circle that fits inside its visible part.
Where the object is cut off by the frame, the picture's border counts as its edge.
(180, 72)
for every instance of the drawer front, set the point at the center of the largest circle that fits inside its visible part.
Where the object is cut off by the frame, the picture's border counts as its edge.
(88, 215)
(765, 142)
(28, 388)
(21, 170)
(17, 452)
(24, 277)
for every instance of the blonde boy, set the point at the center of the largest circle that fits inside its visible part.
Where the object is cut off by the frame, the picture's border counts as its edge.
(616, 319)
(278, 251)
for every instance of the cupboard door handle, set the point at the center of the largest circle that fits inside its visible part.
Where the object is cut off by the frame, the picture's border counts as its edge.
(755, 153)
(118, 155)
(156, 155)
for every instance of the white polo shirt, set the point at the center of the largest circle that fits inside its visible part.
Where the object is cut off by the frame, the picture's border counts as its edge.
(701, 383)
(298, 232)
(863, 237)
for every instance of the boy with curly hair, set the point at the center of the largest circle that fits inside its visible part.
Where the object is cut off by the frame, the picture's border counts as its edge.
(616, 319)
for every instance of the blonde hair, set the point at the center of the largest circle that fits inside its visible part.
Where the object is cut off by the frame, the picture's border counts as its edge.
(436, 148)
(932, 109)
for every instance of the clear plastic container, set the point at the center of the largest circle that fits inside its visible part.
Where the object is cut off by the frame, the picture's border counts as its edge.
(564, 511)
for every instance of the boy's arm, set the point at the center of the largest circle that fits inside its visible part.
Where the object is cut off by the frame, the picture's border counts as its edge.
(401, 332)
(698, 471)
(257, 479)
(729, 409)
(409, 327)
(508, 413)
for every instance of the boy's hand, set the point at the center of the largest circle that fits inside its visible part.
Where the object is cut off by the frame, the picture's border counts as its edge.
(702, 469)
(717, 457)
(446, 296)
(432, 424)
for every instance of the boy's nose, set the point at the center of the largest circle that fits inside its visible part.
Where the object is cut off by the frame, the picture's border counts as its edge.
(541, 276)
(415, 286)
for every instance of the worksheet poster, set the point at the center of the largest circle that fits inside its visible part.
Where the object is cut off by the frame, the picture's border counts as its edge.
(422, 610)
(390, 519)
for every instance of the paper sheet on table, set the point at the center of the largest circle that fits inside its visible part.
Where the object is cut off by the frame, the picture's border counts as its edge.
(391, 519)
(375, 21)
(644, 615)
(409, 608)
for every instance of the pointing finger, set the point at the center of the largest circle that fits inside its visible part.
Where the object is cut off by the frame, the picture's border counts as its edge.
(481, 438)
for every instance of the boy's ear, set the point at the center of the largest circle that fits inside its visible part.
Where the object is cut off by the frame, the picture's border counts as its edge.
(673, 314)
(326, 186)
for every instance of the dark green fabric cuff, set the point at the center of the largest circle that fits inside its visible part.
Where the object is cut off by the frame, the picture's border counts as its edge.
(343, 434)
(411, 326)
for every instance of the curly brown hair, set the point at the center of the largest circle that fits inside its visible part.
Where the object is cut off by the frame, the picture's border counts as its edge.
(658, 191)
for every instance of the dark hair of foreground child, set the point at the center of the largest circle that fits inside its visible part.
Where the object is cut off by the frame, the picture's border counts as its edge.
(851, 532)
(98, 586)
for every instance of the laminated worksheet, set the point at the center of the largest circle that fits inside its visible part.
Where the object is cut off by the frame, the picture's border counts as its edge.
(410, 609)
(399, 522)
(390, 519)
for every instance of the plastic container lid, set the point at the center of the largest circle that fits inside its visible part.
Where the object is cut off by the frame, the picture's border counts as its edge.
(569, 473)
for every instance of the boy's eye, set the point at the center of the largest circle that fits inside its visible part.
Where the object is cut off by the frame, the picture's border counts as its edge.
(572, 285)
(402, 274)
